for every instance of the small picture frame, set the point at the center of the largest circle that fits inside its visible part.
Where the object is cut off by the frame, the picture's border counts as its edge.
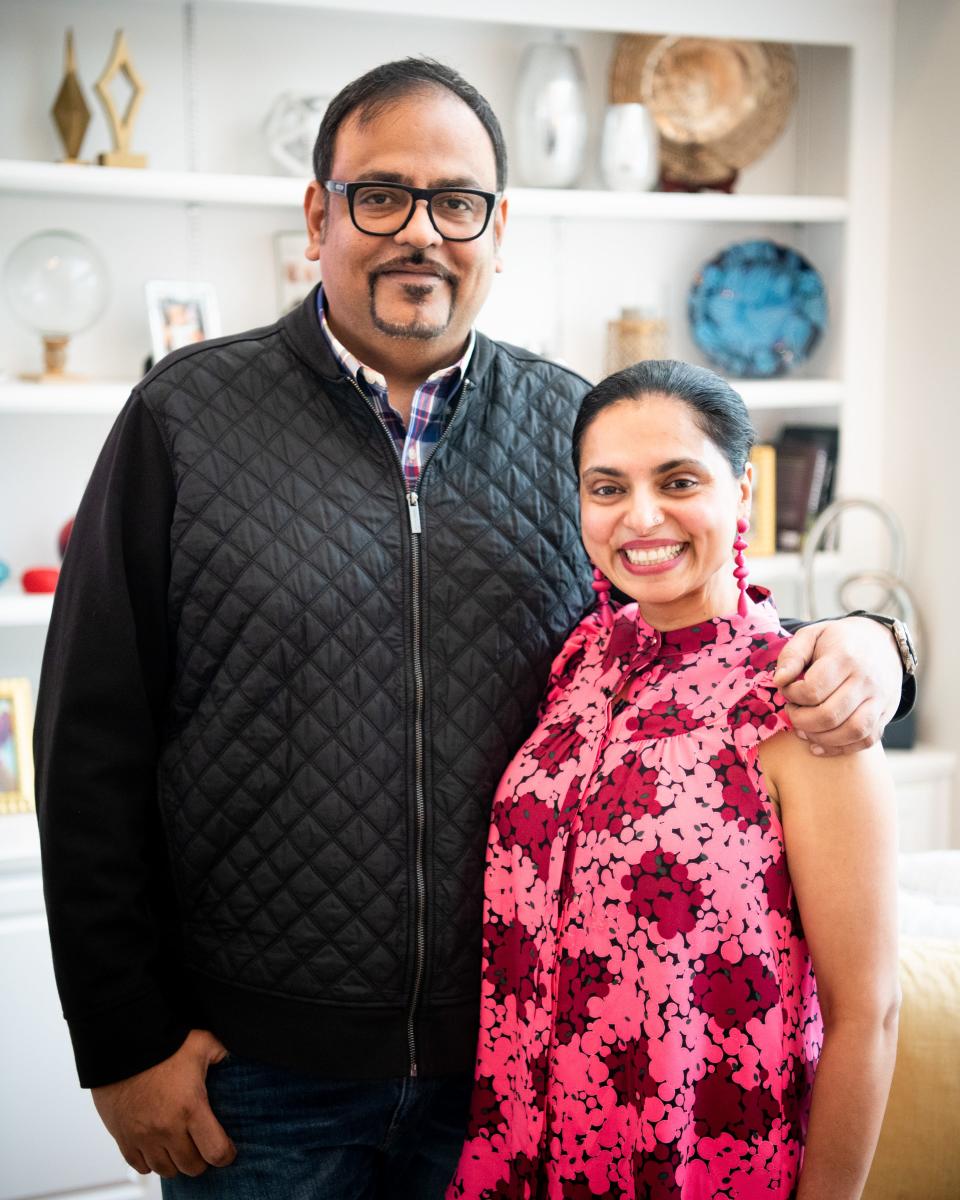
(16, 755)
(180, 313)
(296, 276)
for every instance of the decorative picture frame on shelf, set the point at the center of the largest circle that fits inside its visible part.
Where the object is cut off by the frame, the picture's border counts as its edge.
(180, 313)
(295, 275)
(16, 754)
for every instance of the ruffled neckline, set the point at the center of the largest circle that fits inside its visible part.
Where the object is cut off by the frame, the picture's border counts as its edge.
(633, 643)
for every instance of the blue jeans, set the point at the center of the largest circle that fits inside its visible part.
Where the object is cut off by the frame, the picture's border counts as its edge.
(299, 1137)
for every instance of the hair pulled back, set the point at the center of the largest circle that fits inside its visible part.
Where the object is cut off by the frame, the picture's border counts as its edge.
(717, 408)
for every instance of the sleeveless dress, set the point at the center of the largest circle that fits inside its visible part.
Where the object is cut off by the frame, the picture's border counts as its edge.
(649, 1022)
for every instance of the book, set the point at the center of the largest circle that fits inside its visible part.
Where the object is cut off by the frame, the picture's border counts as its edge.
(762, 537)
(806, 476)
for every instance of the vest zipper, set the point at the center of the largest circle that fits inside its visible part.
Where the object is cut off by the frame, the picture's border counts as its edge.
(416, 529)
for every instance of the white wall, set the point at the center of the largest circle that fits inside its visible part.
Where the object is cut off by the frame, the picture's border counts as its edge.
(921, 468)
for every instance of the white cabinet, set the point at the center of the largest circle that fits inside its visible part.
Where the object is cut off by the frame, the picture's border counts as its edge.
(927, 816)
(51, 1140)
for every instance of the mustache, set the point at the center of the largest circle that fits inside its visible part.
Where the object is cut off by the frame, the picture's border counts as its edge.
(418, 259)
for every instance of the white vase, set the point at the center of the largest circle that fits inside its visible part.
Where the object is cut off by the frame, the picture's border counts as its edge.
(629, 150)
(551, 116)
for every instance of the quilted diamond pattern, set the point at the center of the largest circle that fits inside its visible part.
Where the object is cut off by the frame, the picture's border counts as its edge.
(286, 776)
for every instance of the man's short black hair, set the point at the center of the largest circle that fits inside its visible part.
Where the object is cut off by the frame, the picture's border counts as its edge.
(369, 95)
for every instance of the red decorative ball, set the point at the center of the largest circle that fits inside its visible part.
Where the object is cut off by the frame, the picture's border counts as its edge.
(40, 579)
(64, 537)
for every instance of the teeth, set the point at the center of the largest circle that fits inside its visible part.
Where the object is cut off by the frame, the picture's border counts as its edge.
(644, 558)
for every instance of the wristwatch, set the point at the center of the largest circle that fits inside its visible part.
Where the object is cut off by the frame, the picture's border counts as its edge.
(901, 636)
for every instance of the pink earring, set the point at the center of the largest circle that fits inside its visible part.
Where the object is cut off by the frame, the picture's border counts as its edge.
(601, 585)
(740, 571)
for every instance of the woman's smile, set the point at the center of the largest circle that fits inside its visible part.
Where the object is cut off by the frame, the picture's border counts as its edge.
(651, 558)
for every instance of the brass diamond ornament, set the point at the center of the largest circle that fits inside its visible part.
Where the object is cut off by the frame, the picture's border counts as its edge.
(121, 127)
(70, 112)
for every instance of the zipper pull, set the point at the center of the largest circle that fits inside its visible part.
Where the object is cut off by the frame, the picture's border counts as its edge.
(414, 504)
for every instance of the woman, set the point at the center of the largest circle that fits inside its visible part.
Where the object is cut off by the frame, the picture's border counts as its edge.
(650, 1024)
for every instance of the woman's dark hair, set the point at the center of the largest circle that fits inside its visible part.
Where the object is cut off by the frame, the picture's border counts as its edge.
(718, 409)
(369, 95)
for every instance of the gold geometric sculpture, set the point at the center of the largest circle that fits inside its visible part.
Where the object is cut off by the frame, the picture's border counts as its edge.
(120, 127)
(70, 111)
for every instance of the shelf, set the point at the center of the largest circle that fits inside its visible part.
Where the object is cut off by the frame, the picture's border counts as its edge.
(790, 393)
(18, 610)
(109, 396)
(269, 191)
(772, 568)
(63, 399)
(674, 206)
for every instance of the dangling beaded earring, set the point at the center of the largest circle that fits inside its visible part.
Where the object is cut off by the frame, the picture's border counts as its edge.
(601, 585)
(740, 571)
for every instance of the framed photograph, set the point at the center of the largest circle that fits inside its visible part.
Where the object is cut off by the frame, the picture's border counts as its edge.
(180, 314)
(295, 275)
(16, 756)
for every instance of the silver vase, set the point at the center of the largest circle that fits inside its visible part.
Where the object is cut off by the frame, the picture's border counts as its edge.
(551, 116)
(629, 150)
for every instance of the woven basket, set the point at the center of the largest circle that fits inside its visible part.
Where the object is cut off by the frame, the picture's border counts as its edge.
(719, 105)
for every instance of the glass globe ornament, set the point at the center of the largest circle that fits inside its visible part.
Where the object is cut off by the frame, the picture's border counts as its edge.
(57, 284)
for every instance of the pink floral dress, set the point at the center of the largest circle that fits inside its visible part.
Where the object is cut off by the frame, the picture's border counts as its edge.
(649, 1023)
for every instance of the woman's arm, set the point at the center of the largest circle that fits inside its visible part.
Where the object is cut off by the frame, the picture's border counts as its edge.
(838, 820)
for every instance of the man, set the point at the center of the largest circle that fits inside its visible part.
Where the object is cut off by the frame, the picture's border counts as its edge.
(311, 599)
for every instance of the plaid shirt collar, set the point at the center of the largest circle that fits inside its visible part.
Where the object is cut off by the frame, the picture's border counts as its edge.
(413, 443)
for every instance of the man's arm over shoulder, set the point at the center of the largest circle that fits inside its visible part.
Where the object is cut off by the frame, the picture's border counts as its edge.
(99, 713)
(852, 684)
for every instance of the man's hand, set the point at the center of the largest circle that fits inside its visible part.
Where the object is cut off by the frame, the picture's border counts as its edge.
(852, 679)
(161, 1119)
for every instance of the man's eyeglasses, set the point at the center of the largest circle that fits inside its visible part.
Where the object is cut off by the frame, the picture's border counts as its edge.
(383, 209)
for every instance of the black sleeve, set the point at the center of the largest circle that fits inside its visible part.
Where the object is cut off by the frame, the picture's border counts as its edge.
(100, 709)
(908, 688)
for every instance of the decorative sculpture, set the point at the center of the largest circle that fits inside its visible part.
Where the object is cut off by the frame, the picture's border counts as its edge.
(290, 129)
(892, 594)
(70, 112)
(121, 128)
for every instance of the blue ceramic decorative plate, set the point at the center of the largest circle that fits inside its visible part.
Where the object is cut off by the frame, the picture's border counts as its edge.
(757, 309)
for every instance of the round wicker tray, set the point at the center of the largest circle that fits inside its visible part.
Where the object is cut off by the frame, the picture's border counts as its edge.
(718, 104)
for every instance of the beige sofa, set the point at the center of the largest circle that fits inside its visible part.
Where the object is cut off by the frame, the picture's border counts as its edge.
(918, 1157)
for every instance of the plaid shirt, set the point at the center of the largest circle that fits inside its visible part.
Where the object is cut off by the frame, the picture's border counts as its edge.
(414, 443)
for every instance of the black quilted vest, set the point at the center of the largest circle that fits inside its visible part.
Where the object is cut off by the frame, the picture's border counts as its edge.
(348, 691)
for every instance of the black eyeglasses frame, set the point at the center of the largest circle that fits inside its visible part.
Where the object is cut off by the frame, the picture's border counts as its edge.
(348, 190)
